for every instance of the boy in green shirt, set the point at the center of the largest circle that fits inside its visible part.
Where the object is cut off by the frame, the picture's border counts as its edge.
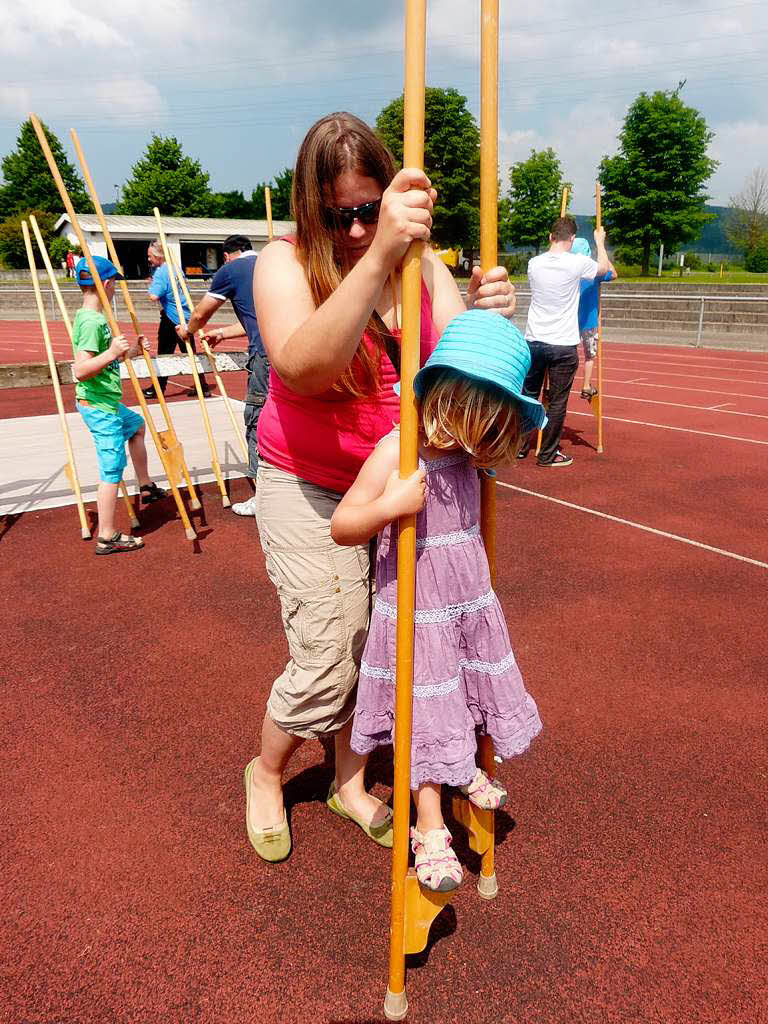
(98, 393)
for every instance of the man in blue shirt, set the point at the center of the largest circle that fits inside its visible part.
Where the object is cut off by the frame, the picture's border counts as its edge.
(234, 281)
(589, 300)
(160, 291)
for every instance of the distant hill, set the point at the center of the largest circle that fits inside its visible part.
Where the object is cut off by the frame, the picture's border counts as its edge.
(711, 240)
(108, 207)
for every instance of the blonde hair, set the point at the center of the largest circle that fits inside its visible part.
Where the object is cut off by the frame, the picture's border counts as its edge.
(480, 418)
(337, 143)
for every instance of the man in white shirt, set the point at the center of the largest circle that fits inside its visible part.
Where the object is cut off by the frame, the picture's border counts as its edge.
(552, 330)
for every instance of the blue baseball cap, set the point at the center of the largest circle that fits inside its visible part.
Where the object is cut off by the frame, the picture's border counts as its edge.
(488, 348)
(106, 269)
(581, 247)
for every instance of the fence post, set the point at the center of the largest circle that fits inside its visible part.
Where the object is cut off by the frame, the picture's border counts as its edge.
(701, 322)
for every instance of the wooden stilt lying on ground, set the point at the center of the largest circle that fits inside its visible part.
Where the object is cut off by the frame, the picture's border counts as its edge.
(167, 436)
(193, 364)
(219, 382)
(169, 456)
(596, 401)
(68, 325)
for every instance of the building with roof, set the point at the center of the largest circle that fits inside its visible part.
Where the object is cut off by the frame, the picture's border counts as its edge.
(195, 242)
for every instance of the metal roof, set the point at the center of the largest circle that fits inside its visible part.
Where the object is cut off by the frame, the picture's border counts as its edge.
(187, 227)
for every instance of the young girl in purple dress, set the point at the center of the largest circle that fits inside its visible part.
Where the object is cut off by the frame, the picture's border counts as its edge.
(472, 416)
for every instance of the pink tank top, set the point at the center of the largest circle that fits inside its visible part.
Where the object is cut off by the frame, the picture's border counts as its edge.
(326, 438)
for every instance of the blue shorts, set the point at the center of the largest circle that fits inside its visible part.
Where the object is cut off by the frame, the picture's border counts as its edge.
(110, 431)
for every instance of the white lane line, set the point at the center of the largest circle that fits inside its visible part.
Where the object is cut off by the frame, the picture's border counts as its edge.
(717, 408)
(688, 376)
(637, 526)
(696, 408)
(709, 364)
(665, 426)
(679, 387)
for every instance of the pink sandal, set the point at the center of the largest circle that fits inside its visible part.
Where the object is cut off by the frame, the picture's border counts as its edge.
(437, 866)
(485, 793)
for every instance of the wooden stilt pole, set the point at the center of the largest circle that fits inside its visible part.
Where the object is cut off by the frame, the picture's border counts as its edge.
(219, 382)
(268, 203)
(596, 402)
(166, 456)
(195, 375)
(396, 1003)
(545, 384)
(68, 325)
(169, 434)
(487, 885)
(85, 531)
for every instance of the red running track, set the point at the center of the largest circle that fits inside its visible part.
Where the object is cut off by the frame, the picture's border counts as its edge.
(631, 862)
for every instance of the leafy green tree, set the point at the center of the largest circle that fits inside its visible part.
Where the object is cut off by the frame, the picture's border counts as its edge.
(58, 247)
(164, 177)
(535, 195)
(756, 258)
(12, 250)
(28, 181)
(451, 159)
(258, 201)
(231, 204)
(652, 189)
(280, 194)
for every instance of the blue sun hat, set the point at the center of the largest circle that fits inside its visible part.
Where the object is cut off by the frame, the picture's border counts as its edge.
(488, 348)
(581, 247)
(104, 267)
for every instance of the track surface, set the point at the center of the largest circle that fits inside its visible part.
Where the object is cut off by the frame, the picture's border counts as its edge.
(632, 860)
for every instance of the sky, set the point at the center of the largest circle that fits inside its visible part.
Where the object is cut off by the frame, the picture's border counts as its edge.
(241, 81)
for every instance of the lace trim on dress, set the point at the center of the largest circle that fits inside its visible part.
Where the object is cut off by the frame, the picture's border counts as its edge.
(442, 462)
(491, 668)
(443, 540)
(431, 615)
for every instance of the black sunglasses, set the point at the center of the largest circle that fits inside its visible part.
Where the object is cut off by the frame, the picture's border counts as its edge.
(345, 216)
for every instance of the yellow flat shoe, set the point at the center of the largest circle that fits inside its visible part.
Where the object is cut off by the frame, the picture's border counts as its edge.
(381, 833)
(273, 843)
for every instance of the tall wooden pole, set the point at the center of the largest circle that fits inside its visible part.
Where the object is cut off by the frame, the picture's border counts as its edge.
(599, 409)
(487, 885)
(165, 456)
(564, 202)
(193, 499)
(268, 203)
(396, 1003)
(68, 326)
(193, 365)
(85, 531)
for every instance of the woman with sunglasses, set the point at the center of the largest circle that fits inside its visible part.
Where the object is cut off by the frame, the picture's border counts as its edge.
(327, 305)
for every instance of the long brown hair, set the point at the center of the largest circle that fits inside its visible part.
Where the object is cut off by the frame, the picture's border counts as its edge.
(337, 143)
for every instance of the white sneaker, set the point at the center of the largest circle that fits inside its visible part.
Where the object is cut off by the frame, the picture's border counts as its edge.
(245, 508)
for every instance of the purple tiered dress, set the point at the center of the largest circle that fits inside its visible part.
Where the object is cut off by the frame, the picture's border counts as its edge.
(465, 676)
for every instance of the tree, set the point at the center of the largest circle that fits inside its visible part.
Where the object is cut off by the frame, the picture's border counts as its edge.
(231, 204)
(756, 259)
(280, 194)
(451, 160)
(12, 250)
(747, 221)
(28, 181)
(652, 189)
(535, 194)
(165, 178)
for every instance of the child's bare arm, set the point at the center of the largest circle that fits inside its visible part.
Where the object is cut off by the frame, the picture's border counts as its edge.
(377, 497)
(87, 365)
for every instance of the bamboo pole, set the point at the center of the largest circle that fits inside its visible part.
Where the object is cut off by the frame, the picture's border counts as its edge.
(599, 396)
(195, 375)
(68, 325)
(268, 202)
(85, 531)
(166, 455)
(219, 382)
(396, 1003)
(487, 886)
(194, 501)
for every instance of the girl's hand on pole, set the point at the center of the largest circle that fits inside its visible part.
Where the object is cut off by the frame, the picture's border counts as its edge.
(405, 216)
(405, 497)
(136, 346)
(491, 290)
